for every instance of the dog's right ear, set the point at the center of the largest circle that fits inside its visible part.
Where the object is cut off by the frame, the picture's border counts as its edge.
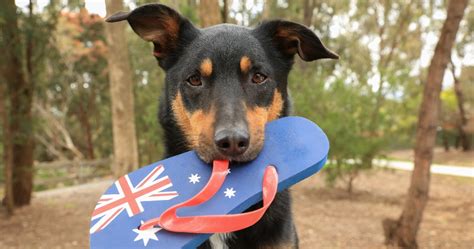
(159, 24)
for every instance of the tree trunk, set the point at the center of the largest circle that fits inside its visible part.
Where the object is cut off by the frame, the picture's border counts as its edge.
(209, 13)
(83, 117)
(267, 6)
(308, 12)
(463, 136)
(7, 153)
(121, 92)
(225, 11)
(20, 92)
(403, 232)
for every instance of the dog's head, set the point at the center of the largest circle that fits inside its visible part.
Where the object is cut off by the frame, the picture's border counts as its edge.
(225, 82)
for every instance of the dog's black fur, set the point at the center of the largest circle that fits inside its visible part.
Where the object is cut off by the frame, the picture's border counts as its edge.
(223, 83)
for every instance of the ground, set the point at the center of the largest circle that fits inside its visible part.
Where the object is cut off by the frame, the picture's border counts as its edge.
(451, 157)
(325, 217)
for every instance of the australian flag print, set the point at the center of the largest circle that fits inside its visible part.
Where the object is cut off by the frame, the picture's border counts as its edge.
(129, 198)
(295, 146)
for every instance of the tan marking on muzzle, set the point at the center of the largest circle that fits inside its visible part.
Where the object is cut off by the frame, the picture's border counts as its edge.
(245, 64)
(198, 126)
(206, 67)
(258, 117)
(276, 107)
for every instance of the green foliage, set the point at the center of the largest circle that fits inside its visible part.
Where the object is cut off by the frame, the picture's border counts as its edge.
(449, 101)
(75, 95)
(149, 83)
(341, 111)
(366, 102)
(31, 50)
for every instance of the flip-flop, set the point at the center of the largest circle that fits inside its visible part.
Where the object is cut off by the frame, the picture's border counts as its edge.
(294, 146)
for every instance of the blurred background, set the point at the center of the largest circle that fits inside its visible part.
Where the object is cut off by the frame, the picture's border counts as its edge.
(57, 105)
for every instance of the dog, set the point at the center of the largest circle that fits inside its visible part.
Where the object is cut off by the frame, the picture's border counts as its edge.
(223, 84)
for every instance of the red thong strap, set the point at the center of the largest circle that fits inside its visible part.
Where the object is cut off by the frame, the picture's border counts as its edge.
(216, 223)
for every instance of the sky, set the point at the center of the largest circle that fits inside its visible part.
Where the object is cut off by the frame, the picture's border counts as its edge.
(96, 6)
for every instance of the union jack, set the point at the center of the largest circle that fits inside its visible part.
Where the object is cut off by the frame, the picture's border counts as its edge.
(130, 198)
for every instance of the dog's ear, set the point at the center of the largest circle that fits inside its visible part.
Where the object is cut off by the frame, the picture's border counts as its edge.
(291, 38)
(159, 24)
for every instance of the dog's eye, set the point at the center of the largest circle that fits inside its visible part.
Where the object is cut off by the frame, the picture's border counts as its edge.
(194, 80)
(259, 78)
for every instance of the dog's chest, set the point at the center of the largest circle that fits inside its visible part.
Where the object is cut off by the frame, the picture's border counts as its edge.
(218, 240)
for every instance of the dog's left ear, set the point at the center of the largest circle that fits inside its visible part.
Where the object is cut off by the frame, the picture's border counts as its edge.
(291, 38)
(159, 24)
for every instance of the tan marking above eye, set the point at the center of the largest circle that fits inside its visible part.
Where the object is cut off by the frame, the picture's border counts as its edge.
(195, 126)
(206, 67)
(245, 64)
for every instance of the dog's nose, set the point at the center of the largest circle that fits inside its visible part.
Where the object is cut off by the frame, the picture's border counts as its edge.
(232, 142)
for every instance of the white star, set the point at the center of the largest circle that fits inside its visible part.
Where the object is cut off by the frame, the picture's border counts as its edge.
(194, 178)
(228, 171)
(229, 192)
(146, 235)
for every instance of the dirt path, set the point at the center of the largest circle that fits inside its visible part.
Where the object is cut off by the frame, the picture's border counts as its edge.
(440, 156)
(326, 218)
(56, 219)
(452, 170)
(334, 219)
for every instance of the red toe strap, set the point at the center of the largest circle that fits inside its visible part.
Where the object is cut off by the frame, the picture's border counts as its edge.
(219, 172)
(216, 223)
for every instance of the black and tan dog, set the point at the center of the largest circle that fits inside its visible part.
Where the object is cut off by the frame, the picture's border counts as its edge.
(223, 84)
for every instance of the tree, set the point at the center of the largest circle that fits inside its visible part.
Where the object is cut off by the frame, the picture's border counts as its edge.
(308, 11)
(266, 9)
(73, 106)
(225, 11)
(463, 136)
(209, 13)
(7, 152)
(121, 92)
(403, 231)
(449, 121)
(352, 99)
(20, 92)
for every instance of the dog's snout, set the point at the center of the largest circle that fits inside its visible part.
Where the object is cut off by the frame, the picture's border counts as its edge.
(232, 142)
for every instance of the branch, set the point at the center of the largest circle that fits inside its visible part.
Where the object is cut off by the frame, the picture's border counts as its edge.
(60, 127)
